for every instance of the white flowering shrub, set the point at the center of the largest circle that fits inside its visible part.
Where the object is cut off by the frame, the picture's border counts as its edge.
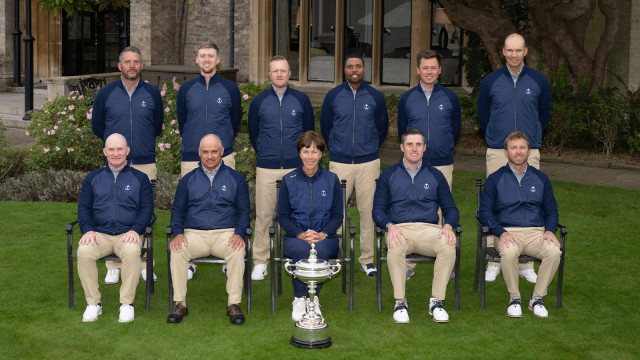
(63, 136)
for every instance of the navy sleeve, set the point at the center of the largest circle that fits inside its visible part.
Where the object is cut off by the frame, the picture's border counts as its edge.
(544, 101)
(484, 105)
(97, 114)
(486, 214)
(309, 121)
(382, 118)
(179, 209)
(145, 207)
(326, 116)
(381, 200)
(284, 212)
(337, 216)
(243, 206)
(550, 206)
(181, 106)
(254, 121)
(402, 114)
(158, 112)
(450, 212)
(85, 205)
(455, 117)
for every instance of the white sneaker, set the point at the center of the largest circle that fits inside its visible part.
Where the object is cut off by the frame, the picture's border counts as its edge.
(400, 312)
(299, 308)
(514, 310)
(437, 311)
(537, 306)
(126, 313)
(492, 273)
(143, 275)
(529, 275)
(316, 305)
(191, 271)
(113, 276)
(91, 313)
(259, 272)
(225, 270)
(410, 272)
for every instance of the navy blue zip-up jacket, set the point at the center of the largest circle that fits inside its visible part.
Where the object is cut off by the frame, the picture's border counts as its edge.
(398, 199)
(504, 107)
(202, 205)
(138, 119)
(113, 206)
(438, 119)
(505, 203)
(354, 127)
(310, 202)
(274, 128)
(213, 109)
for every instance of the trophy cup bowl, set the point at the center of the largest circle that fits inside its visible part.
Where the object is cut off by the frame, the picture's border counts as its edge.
(311, 331)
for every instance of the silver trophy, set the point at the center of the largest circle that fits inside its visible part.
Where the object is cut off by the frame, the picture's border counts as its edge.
(311, 332)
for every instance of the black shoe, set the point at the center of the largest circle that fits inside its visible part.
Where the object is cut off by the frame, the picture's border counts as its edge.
(179, 311)
(235, 314)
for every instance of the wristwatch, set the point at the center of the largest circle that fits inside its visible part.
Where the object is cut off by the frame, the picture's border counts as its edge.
(387, 226)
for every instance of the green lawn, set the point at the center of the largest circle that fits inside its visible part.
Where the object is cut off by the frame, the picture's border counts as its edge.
(598, 320)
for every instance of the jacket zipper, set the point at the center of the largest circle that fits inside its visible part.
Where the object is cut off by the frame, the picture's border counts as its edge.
(113, 207)
(429, 128)
(281, 136)
(353, 131)
(206, 107)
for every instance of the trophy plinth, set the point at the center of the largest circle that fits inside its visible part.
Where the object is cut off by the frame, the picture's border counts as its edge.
(311, 331)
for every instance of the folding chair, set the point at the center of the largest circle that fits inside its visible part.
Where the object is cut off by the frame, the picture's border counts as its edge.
(381, 254)
(146, 255)
(277, 253)
(484, 254)
(215, 260)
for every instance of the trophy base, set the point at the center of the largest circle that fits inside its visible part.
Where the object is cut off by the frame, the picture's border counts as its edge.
(311, 338)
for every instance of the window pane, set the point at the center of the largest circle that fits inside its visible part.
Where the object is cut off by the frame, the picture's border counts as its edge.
(322, 40)
(396, 42)
(358, 27)
(446, 40)
(287, 31)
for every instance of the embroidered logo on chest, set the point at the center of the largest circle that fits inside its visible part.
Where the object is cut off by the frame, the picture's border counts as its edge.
(127, 187)
(426, 186)
(441, 107)
(366, 106)
(533, 189)
(293, 113)
(143, 104)
(528, 91)
(324, 193)
(219, 100)
(224, 188)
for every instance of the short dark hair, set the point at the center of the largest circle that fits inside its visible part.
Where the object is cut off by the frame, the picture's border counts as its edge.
(208, 45)
(404, 136)
(428, 54)
(352, 55)
(129, 49)
(514, 136)
(309, 138)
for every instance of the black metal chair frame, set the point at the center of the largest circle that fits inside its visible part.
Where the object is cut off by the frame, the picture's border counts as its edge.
(87, 86)
(382, 249)
(215, 260)
(145, 255)
(277, 253)
(484, 254)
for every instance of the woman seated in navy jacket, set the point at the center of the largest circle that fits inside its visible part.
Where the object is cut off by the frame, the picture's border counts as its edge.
(310, 211)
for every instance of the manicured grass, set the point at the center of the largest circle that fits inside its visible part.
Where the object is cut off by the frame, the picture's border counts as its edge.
(599, 319)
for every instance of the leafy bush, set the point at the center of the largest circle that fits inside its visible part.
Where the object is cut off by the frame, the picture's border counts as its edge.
(392, 108)
(168, 152)
(48, 185)
(606, 119)
(248, 91)
(12, 161)
(165, 190)
(3, 137)
(63, 136)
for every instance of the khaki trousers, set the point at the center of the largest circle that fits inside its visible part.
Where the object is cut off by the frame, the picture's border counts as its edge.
(495, 160)
(529, 244)
(422, 239)
(203, 243)
(88, 271)
(187, 166)
(152, 173)
(266, 200)
(363, 178)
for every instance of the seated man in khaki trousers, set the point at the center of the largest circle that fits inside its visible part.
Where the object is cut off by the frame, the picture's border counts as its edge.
(116, 203)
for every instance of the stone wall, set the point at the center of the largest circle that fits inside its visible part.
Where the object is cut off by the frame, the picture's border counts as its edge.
(6, 43)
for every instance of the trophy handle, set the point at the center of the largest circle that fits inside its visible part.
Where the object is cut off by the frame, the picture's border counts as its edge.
(334, 268)
(287, 268)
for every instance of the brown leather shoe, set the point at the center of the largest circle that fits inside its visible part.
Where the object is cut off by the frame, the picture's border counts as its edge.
(235, 314)
(179, 311)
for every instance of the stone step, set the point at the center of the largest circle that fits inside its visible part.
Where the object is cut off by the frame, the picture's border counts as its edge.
(14, 121)
(37, 90)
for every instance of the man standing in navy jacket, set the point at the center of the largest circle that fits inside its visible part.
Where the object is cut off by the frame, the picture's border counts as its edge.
(406, 202)
(277, 118)
(210, 215)
(519, 208)
(354, 123)
(513, 98)
(115, 206)
(134, 109)
(208, 104)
